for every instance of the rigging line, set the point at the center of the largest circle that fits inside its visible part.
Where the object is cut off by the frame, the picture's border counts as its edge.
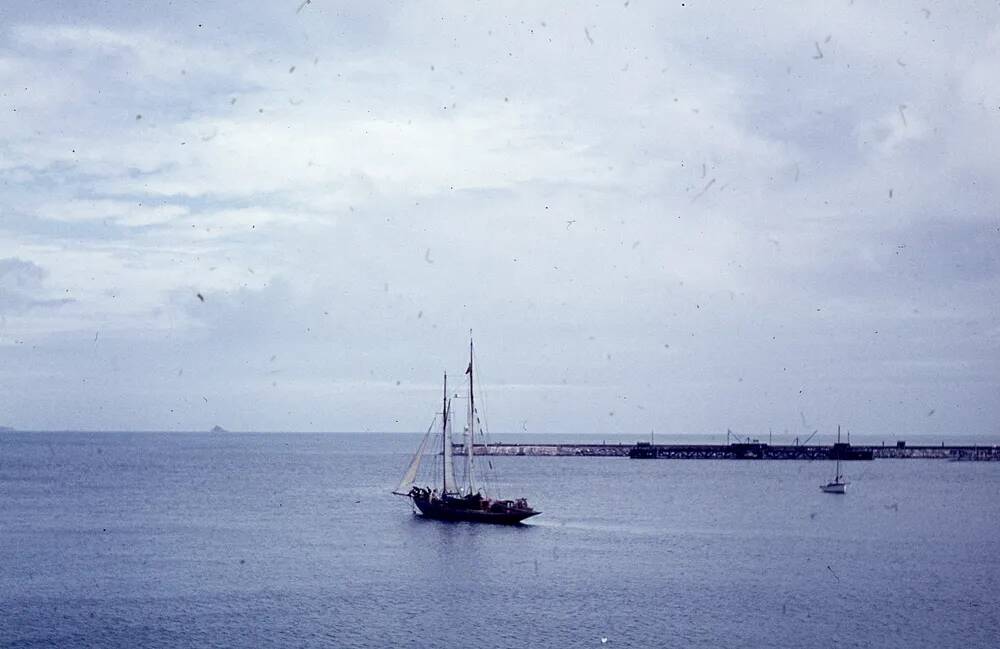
(435, 443)
(488, 473)
(483, 397)
(432, 445)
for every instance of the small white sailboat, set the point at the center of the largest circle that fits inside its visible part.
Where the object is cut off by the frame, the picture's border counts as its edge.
(838, 485)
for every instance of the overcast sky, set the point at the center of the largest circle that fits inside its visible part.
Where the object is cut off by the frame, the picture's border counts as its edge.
(676, 216)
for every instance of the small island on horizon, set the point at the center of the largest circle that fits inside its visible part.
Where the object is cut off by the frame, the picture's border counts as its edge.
(218, 429)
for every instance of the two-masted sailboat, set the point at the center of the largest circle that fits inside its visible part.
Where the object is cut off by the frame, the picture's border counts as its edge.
(449, 500)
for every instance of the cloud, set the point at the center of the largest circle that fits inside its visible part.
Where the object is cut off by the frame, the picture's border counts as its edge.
(22, 287)
(353, 189)
(128, 214)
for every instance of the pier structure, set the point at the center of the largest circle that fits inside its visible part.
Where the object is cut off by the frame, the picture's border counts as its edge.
(739, 451)
(549, 450)
(749, 451)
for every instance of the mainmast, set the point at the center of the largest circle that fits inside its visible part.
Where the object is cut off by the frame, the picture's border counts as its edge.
(472, 426)
(444, 438)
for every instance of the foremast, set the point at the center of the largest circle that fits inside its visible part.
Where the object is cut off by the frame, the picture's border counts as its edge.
(449, 484)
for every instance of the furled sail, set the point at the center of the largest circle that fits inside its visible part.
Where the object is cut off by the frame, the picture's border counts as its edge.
(449, 466)
(411, 472)
(470, 479)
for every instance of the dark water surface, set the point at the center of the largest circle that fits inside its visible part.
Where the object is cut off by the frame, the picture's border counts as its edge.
(201, 540)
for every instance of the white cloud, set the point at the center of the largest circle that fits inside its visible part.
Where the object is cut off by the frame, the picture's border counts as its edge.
(130, 214)
(581, 185)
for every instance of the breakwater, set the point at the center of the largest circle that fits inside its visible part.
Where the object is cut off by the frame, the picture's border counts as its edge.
(750, 451)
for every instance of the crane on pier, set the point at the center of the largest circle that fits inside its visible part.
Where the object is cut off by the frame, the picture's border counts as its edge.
(730, 435)
(807, 439)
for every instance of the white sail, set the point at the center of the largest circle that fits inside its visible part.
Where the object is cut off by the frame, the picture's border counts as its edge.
(470, 478)
(449, 466)
(411, 472)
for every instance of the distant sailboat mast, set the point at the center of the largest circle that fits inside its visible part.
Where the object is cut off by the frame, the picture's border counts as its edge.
(838, 486)
(838, 477)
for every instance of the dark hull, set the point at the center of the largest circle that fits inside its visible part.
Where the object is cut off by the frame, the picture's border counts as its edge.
(443, 512)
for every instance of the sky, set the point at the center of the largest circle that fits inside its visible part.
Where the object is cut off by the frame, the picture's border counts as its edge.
(671, 216)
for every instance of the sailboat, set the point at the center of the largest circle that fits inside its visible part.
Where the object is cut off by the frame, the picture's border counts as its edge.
(451, 501)
(837, 485)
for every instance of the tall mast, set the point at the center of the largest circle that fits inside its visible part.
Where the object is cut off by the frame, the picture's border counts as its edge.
(472, 425)
(837, 478)
(444, 438)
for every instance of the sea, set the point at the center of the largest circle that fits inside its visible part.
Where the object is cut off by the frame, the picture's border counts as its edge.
(294, 540)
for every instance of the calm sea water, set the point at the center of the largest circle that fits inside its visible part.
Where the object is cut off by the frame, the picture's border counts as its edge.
(200, 540)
